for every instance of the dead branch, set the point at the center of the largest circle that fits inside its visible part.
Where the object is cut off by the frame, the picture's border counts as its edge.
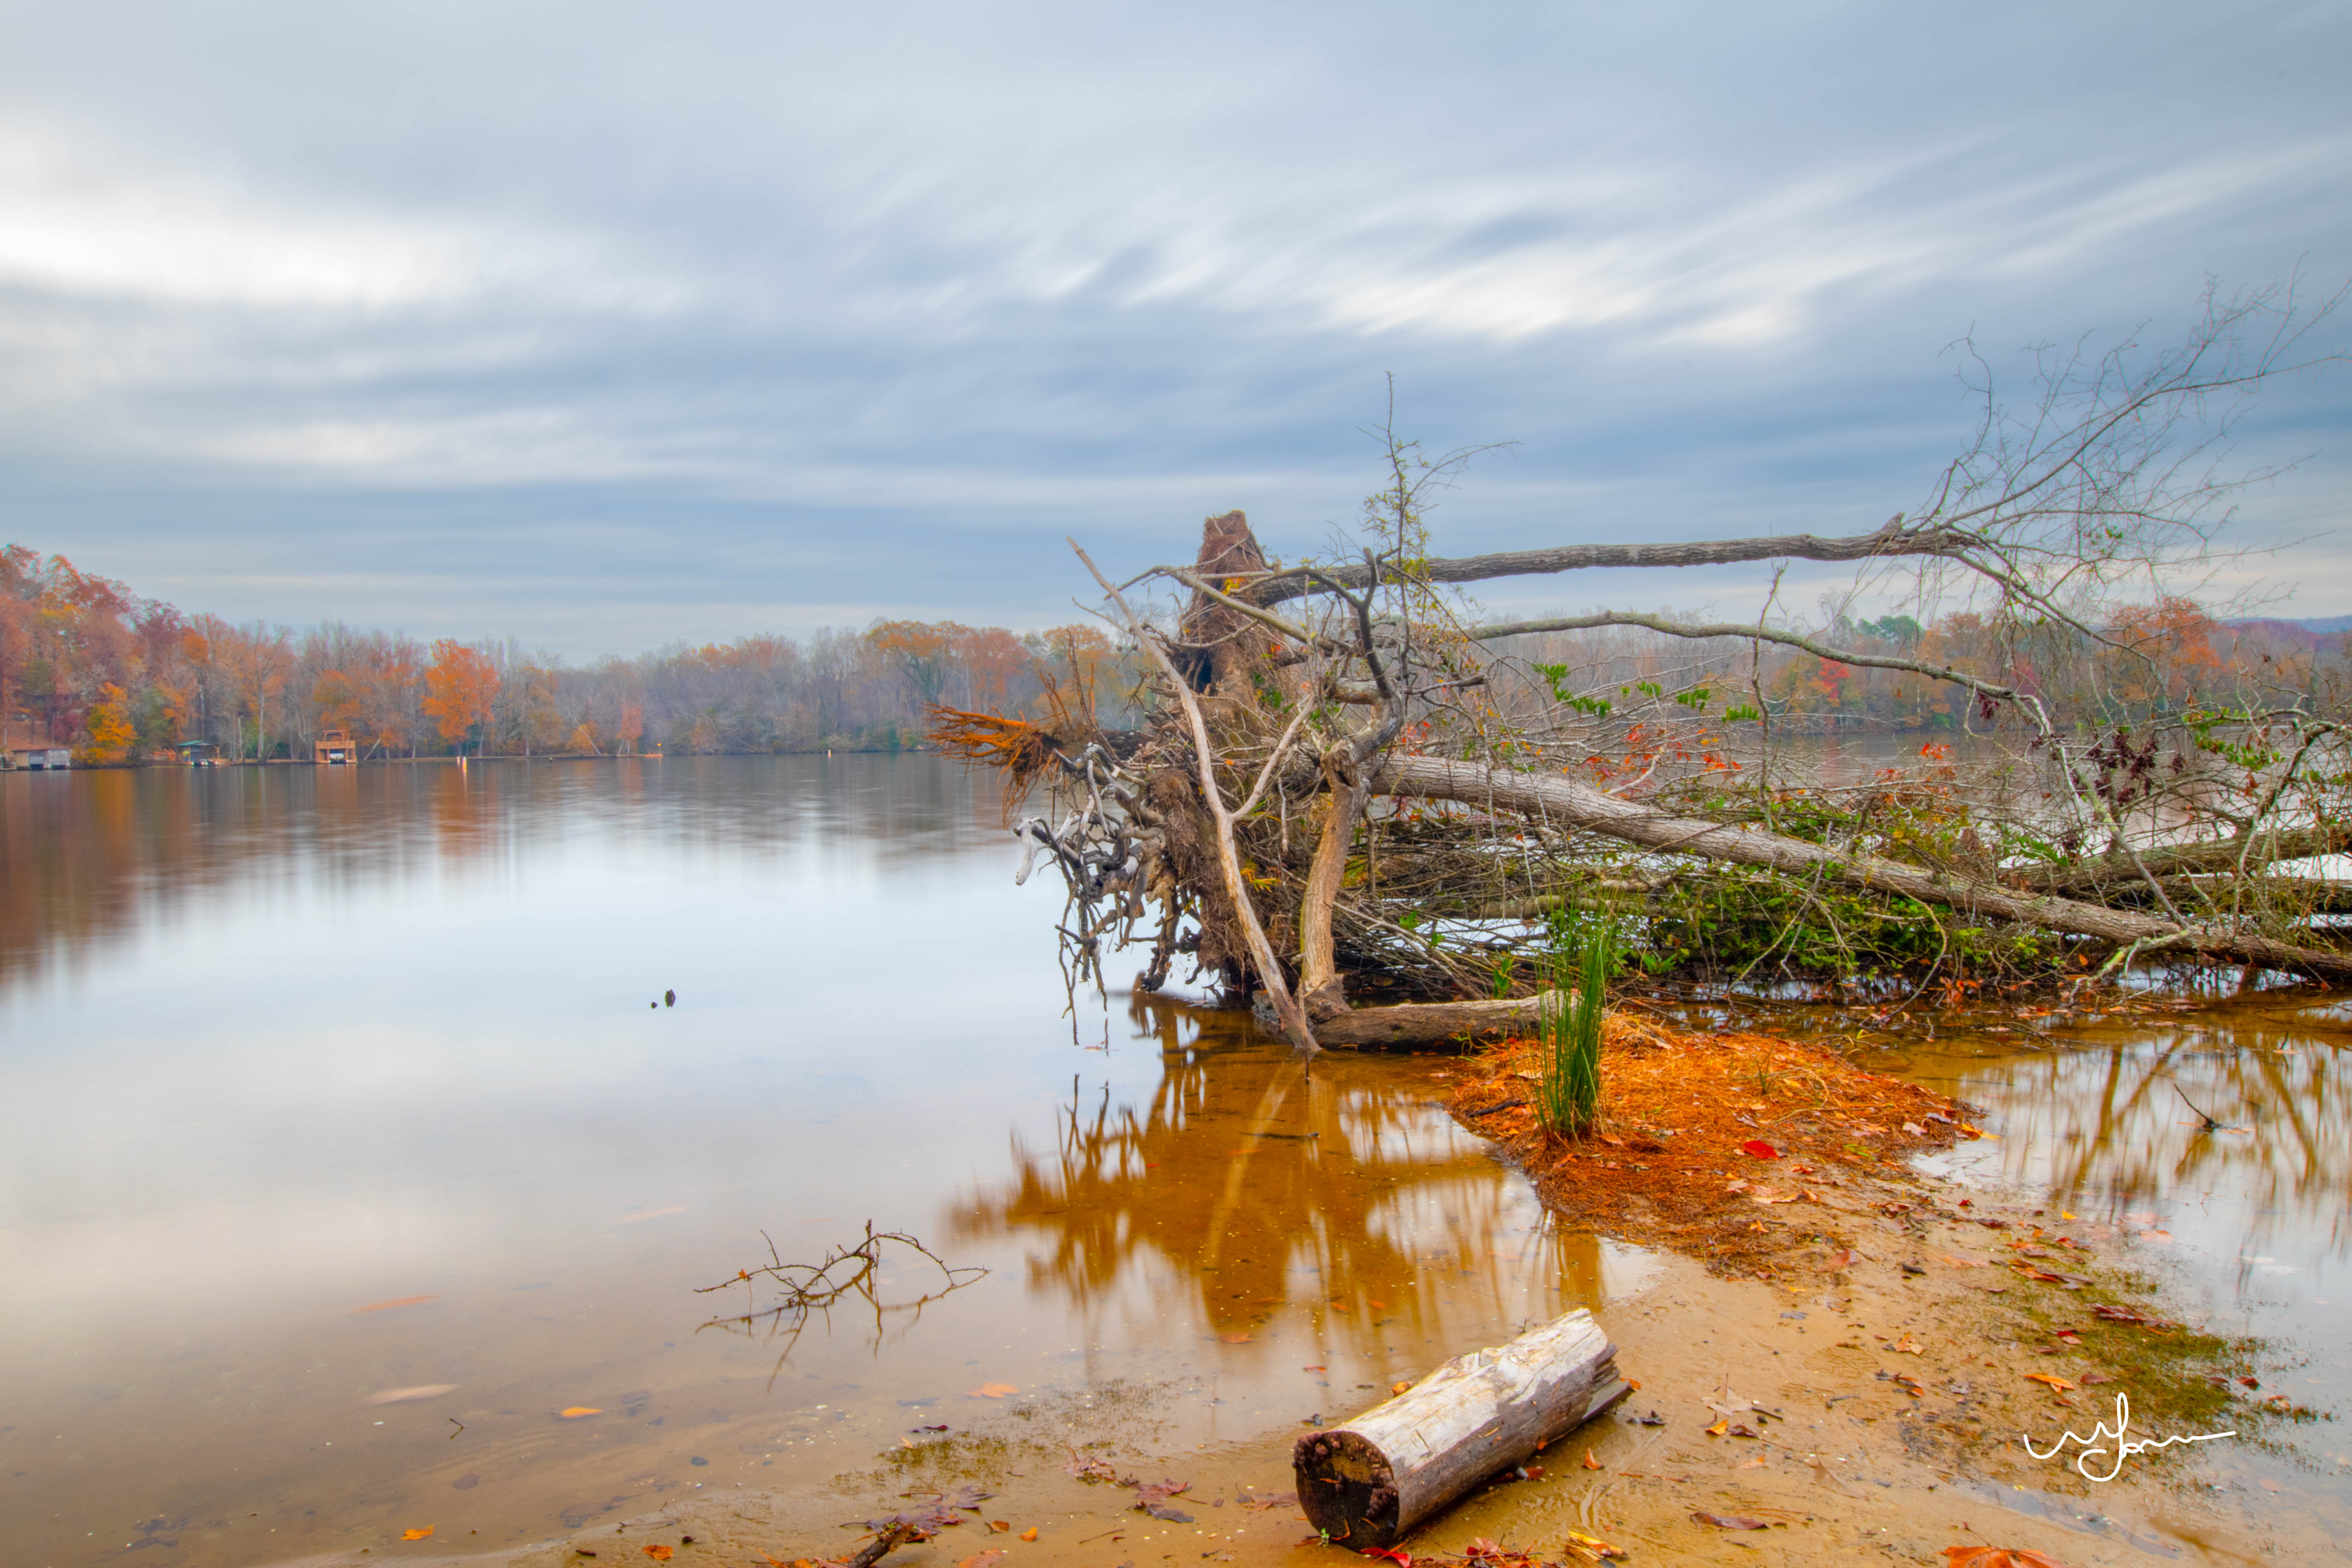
(1270, 970)
(1744, 633)
(1565, 800)
(845, 1274)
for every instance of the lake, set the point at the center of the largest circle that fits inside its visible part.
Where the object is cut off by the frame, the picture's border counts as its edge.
(359, 1173)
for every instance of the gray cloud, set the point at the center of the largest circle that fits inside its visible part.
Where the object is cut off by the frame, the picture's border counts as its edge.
(602, 328)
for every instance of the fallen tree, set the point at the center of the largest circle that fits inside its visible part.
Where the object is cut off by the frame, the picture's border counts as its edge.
(1362, 802)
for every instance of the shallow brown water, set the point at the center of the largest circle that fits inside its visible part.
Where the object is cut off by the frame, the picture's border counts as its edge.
(326, 1087)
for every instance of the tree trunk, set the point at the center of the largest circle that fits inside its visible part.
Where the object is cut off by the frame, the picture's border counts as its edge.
(1425, 1023)
(1565, 801)
(1369, 1482)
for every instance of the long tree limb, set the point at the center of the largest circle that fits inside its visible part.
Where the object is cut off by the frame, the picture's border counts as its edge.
(1566, 801)
(1285, 1006)
(1890, 542)
(1761, 633)
(2211, 855)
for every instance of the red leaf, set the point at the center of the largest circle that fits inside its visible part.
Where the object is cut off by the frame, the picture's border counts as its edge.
(1760, 1148)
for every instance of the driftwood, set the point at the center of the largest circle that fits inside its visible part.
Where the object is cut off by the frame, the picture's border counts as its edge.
(1368, 1483)
(1421, 1023)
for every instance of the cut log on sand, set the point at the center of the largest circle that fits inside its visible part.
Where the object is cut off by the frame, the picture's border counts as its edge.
(1367, 1483)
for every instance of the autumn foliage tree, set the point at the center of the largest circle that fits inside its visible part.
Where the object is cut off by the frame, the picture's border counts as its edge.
(460, 685)
(108, 728)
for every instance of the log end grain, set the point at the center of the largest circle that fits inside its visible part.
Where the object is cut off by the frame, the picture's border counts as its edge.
(1346, 1489)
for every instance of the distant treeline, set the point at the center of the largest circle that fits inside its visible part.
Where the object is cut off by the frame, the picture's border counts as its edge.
(86, 663)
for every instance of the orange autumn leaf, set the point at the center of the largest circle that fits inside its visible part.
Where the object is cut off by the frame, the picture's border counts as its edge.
(661, 1554)
(2059, 1384)
(1721, 1427)
(1590, 1462)
(1030, 1533)
(575, 1412)
(983, 1559)
(416, 1534)
(993, 1391)
(1996, 1557)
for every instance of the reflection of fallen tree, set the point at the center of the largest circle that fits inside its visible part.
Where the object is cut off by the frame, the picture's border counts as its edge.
(1263, 1189)
(844, 1276)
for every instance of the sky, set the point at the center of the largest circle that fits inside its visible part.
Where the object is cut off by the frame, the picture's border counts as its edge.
(605, 327)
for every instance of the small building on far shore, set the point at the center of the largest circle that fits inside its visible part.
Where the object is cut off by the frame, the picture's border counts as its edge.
(334, 749)
(23, 744)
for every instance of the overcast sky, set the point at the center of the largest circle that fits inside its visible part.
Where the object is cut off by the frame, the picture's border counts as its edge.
(605, 326)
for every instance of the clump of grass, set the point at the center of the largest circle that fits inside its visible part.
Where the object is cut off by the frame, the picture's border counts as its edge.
(1582, 953)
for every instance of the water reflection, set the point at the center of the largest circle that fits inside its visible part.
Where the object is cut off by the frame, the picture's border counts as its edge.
(93, 858)
(1340, 1196)
(2114, 1119)
(361, 1065)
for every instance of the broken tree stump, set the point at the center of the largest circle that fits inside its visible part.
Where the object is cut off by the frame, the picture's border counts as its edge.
(1367, 1483)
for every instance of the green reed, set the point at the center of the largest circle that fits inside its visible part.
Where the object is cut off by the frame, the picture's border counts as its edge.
(1582, 954)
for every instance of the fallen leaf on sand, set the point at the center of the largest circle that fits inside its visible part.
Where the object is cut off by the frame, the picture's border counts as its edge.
(575, 1412)
(1756, 1463)
(993, 1391)
(1397, 1555)
(1399, 1387)
(1842, 1258)
(1590, 1462)
(400, 1395)
(416, 1534)
(388, 1306)
(1030, 1533)
(1729, 1521)
(1154, 1500)
(2059, 1384)
(1721, 1427)
(1907, 1345)
(1091, 1469)
(982, 1559)
(1311, 1368)
(1591, 1548)
(1000, 1527)
(659, 1552)
(1831, 1479)
(1235, 1338)
(1760, 1148)
(1996, 1557)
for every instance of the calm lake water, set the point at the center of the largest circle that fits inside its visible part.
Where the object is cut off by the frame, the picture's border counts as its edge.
(330, 1086)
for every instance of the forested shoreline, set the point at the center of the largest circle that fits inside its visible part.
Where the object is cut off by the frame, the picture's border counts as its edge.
(87, 664)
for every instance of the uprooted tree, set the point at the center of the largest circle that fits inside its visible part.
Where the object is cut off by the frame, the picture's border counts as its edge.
(1358, 798)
